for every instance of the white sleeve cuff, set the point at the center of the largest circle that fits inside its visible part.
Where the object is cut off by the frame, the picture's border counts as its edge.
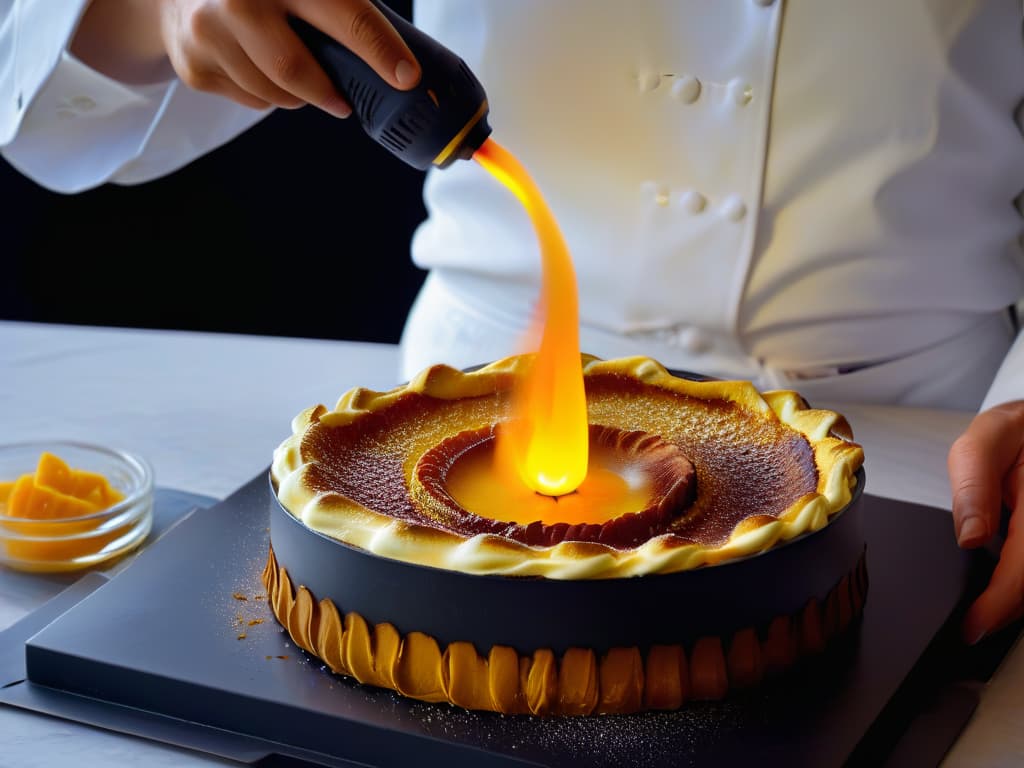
(82, 127)
(33, 34)
(70, 128)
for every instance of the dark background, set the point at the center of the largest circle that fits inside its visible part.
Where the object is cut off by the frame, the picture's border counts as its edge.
(298, 227)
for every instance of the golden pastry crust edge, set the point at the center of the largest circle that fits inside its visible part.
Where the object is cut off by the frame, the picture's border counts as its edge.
(836, 456)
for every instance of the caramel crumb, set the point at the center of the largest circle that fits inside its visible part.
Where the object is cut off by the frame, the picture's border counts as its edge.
(269, 658)
(242, 636)
(239, 596)
(254, 622)
(282, 657)
(260, 597)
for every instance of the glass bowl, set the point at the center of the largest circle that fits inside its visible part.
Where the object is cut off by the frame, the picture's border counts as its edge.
(68, 544)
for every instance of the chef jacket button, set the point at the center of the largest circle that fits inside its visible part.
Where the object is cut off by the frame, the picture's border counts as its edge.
(692, 201)
(654, 192)
(692, 340)
(764, 3)
(733, 208)
(83, 103)
(648, 81)
(740, 92)
(686, 89)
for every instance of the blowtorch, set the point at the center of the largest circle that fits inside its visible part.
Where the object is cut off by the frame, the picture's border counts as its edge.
(442, 119)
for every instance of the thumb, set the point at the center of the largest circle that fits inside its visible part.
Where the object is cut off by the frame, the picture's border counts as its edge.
(986, 468)
(978, 461)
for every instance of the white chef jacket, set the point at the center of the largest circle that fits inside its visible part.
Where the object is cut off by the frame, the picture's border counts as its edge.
(814, 194)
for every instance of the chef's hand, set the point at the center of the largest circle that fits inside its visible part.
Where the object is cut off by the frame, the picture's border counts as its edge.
(241, 49)
(986, 471)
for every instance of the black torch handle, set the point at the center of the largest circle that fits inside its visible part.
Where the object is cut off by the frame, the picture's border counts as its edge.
(446, 111)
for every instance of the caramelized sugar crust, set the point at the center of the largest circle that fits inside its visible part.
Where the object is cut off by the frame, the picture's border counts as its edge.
(767, 469)
(670, 477)
(745, 465)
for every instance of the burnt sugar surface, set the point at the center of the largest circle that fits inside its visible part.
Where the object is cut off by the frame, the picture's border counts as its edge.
(747, 467)
(663, 480)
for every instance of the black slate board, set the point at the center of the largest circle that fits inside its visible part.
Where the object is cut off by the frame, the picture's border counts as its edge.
(162, 639)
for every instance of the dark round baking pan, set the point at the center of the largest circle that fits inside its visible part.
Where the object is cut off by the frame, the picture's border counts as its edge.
(528, 613)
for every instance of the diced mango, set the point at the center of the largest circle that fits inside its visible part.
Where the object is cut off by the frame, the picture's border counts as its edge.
(56, 491)
(46, 502)
(41, 503)
(52, 472)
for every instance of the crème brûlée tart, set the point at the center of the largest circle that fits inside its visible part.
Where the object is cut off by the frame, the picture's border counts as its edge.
(715, 541)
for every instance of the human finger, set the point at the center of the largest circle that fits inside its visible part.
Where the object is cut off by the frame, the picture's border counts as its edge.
(194, 37)
(999, 437)
(1003, 598)
(241, 69)
(977, 462)
(211, 82)
(362, 28)
(275, 49)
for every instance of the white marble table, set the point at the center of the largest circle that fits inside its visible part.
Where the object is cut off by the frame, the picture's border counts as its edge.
(207, 410)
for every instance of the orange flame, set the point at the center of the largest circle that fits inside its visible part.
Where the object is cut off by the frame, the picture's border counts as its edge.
(546, 439)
